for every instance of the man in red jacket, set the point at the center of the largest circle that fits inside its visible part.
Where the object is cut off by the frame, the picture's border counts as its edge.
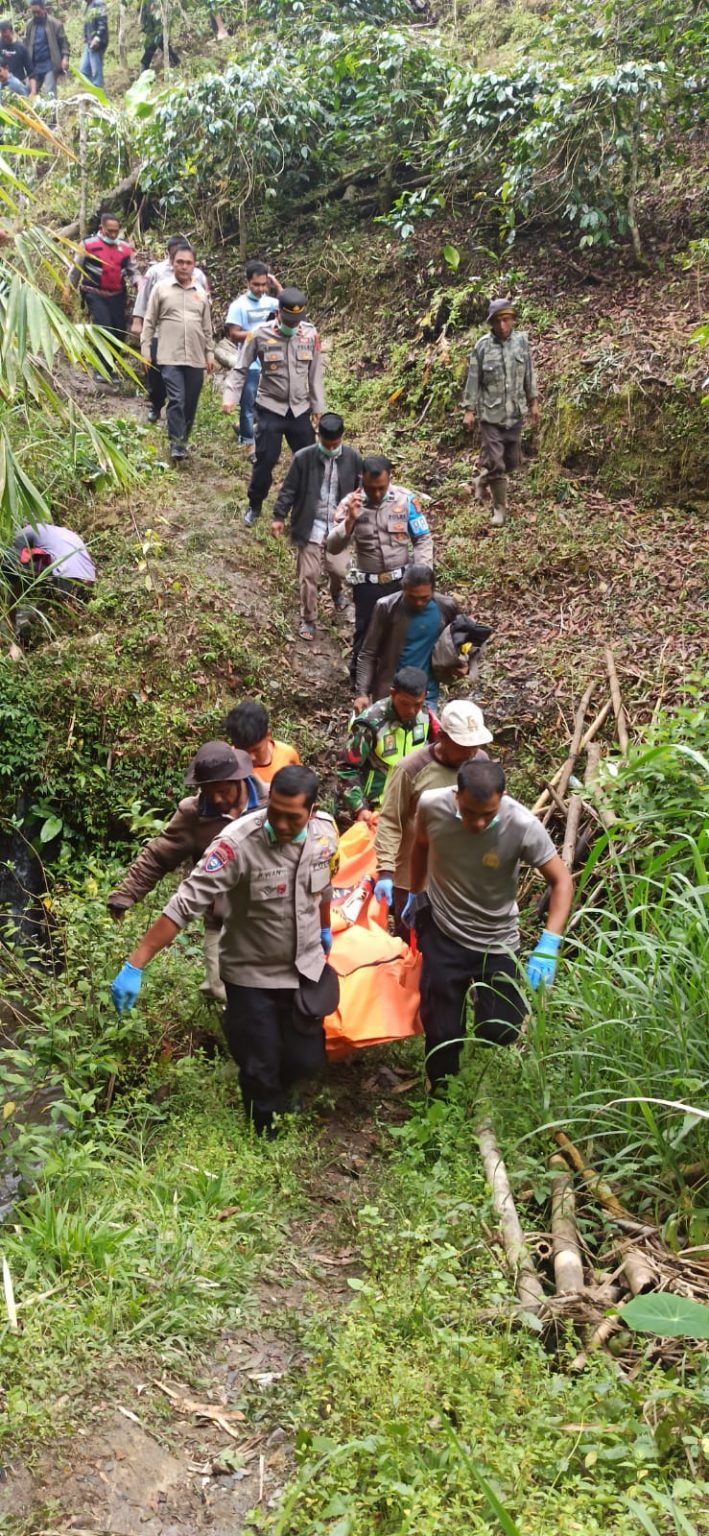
(102, 270)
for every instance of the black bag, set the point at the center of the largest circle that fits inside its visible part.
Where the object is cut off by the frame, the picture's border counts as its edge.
(314, 1000)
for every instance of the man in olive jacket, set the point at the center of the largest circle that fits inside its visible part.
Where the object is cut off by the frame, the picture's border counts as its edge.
(316, 482)
(501, 388)
(48, 48)
(226, 789)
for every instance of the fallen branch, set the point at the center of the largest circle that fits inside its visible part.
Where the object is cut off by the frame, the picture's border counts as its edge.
(573, 817)
(618, 710)
(597, 1186)
(568, 1267)
(529, 1288)
(561, 777)
(606, 816)
(118, 197)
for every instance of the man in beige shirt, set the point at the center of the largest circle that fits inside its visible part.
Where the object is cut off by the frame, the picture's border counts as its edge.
(178, 315)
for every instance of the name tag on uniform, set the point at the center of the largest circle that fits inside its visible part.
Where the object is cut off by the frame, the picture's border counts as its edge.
(388, 745)
(397, 524)
(267, 883)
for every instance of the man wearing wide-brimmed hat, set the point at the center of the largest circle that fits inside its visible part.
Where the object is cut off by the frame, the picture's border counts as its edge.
(226, 787)
(501, 390)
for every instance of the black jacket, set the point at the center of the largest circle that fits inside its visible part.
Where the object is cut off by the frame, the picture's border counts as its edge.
(300, 492)
(17, 59)
(96, 24)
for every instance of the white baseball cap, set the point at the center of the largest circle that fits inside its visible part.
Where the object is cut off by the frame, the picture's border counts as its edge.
(464, 723)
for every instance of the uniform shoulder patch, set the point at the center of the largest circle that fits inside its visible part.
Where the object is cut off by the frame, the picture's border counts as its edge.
(220, 855)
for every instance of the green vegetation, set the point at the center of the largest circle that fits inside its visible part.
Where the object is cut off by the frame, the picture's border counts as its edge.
(402, 174)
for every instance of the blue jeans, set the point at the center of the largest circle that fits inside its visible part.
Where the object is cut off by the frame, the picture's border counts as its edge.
(92, 66)
(246, 412)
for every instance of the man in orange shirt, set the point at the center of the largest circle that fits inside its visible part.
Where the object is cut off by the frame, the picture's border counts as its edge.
(248, 728)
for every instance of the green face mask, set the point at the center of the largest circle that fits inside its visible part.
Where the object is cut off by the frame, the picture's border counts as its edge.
(329, 453)
(287, 330)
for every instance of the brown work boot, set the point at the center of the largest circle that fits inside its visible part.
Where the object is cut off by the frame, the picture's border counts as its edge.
(481, 489)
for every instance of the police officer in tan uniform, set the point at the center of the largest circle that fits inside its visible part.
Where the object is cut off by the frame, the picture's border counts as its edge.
(381, 522)
(273, 869)
(290, 398)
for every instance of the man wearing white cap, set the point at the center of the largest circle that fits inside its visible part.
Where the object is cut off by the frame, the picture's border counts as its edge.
(463, 735)
(468, 846)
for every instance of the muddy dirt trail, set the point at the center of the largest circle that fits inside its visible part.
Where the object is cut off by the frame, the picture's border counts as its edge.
(158, 1455)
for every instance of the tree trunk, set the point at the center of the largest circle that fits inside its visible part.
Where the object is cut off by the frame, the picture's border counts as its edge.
(632, 194)
(165, 13)
(122, 45)
(118, 197)
(243, 235)
(83, 170)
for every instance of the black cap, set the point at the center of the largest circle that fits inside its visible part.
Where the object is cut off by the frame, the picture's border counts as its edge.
(218, 763)
(292, 302)
(7, 26)
(331, 425)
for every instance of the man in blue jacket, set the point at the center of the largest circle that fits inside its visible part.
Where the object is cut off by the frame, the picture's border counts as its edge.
(95, 41)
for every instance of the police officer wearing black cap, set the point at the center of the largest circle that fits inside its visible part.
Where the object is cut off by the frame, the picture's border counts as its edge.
(290, 398)
(226, 788)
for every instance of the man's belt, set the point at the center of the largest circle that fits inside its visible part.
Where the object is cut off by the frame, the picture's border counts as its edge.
(379, 579)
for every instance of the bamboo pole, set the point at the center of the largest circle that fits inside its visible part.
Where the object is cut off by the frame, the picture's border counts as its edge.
(568, 1267)
(588, 736)
(618, 710)
(639, 1274)
(529, 1288)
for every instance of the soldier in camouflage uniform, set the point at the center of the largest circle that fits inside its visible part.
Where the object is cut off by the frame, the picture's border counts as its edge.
(380, 736)
(501, 388)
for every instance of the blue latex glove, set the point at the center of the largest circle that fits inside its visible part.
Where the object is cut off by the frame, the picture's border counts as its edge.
(125, 987)
(384, 890)
(541, 965)
(414, 902)
(326, 939)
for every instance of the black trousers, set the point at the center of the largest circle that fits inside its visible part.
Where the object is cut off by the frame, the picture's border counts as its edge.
(155, 383)
(448, 971)
(183, 387)
(152, 48)
(107, 310)
(365, 594)
(269, 431)
(271, 1054)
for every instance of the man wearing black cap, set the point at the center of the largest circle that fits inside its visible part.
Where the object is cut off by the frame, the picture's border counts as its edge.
(226, 789)
(317, 480)
(501, 388)
(290, 390)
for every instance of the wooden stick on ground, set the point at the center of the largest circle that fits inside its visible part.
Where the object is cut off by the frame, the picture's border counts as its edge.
(573, 817)
(606, 816)
(618, 710)
(596, 1340)
(529, 1288)
(568, 1268)
(599, 1189)
(562, 778)
(558, 779)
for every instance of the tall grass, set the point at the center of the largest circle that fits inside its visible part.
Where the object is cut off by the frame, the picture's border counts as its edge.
(627, 1024)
